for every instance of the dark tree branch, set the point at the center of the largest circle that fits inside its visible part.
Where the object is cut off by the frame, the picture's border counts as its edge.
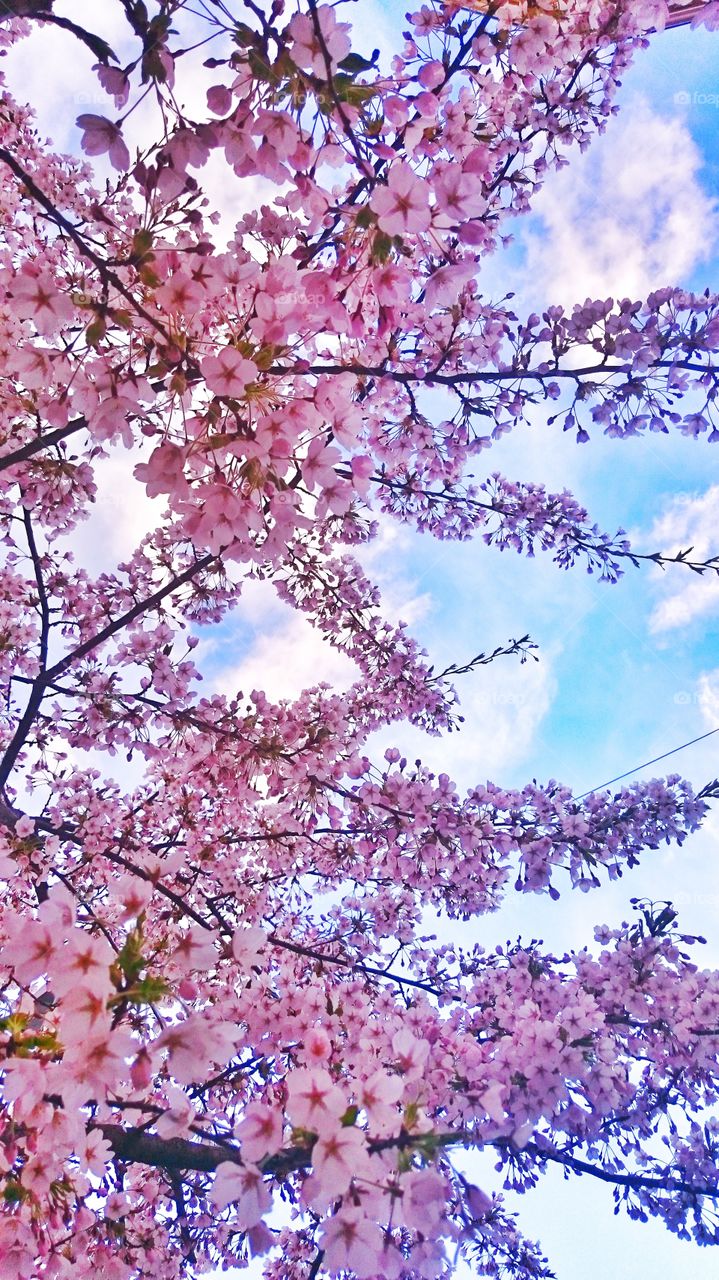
(177, 1154)
(634, 1181)
(38, 687)
(171, 1154)
(41, 442)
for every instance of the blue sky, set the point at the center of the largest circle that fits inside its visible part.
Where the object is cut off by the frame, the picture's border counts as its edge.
(625, 672)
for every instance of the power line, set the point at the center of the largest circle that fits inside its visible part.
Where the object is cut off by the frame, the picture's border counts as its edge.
(646, 764)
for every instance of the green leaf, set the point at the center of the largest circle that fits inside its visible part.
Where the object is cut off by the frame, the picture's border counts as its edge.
(130, 960)
(13, 1193)
(148, 990)
(141, 245)
(366, 217)
(354, 63)
(244, 35)
(381, 247)
(355, 94)
(261, 68)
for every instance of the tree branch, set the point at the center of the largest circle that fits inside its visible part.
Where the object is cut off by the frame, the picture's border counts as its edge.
(42, 442)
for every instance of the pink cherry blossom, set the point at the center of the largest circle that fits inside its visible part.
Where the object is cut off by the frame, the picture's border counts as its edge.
(100, 135)
(307, 50)
(195, 950)
(115, 82)
(339, 1155)
(402, 206)
(351, 1243)
(36, 297)
(259, 1132)
(178, 1115)
(229, 373)
(317, 1045)
(84, 961)
(313, 1099)
(243, 1187)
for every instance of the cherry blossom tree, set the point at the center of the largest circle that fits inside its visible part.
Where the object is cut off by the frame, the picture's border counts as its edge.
(224, 1033)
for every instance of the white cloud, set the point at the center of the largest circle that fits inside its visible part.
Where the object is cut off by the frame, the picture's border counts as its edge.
(626, 217)
(285, 654)
(690, 520)
(708, 697)
(503, 710)
(385, 560)
(120, 516)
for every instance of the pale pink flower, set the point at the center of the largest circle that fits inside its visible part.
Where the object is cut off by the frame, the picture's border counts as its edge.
(25, 1080)
(36, 297)
(446, 283)
(424, 1200)
(312, 1098)
(134, 895)
(94, 1153)
(180, 293)
(84, 1012)
(307, 50)
(195, 1043)
(351, 1243)
(98, 1062)
(219, 99)
(491, 1100)
(248, 943)
(59, 909)
(100, 135)
(432, 74)
(18, 1248)
(402, 206)
(363, 468)
(164, 471)
(229, 373)
(459, 194)
(179, 1114)
(195, 950)
(317, 1045)
(141, 1070)
(114, 82)
(244, 1186)
(338, 1155)
(8, 865)
(30, 948)
(410, 1052)
(259, 1132)
(38, 1173)
(379, 1095)
(392, 285)
(85, 962)
(116, 1206)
